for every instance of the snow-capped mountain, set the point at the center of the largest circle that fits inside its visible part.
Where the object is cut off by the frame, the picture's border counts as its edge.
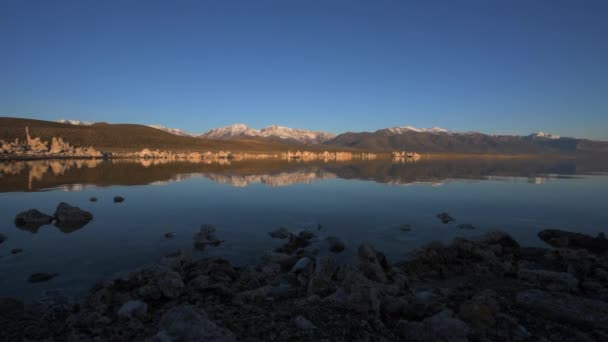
(544, 135)
(407, 129)
(175, 131)
(241, 130)
(75, 122)
(231, 132)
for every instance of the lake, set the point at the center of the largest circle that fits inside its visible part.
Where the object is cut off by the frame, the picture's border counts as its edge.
(357, 201)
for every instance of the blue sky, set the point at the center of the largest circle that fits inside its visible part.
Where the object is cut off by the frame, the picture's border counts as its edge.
(513, 66)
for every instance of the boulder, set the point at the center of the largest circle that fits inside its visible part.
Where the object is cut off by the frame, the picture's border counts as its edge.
(280, 233)
(335, 244)
(70, 218)
(119, 199)
(188, 323)
(304, 324)
(93, 199)
(133, 309)
(564, 308)
(372, 263)
(32, 219)
(564, 239)
(322, 281)
(550, 280)
(440, 327)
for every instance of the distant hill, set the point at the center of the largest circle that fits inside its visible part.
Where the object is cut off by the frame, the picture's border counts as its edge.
(441, 140)
(124, 137)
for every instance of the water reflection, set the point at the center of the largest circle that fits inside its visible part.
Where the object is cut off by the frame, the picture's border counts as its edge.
(76, 175)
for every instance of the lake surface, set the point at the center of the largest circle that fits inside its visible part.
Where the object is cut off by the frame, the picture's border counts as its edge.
(356, 201)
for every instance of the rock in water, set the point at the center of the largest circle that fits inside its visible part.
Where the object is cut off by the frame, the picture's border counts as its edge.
(335, 245)
(41, 277)
(188, 323)
(70, 218)
(2, 238)
(560, 238)
(93, 199)
(119, 199)
(206, 236)
(280, 233)
(16, 250)
(406, 227)
(445, 217)
(32, 219)
(170, 235)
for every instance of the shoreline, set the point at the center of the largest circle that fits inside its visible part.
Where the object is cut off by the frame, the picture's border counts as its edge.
(485, 288)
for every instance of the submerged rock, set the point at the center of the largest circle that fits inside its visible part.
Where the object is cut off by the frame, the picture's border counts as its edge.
(445, 218)
(32, 219)
(560, 238)
(93, 199)
(2, 238)
(16, 250)
(119, 199)
(206, 236)
(170, 235)
(335, 244)
(70, 218)
(41, 277)
(405, 227)
(280, 233)
(188, 323)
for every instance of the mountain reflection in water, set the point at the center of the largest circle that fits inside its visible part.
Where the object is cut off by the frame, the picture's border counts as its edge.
(75, 175)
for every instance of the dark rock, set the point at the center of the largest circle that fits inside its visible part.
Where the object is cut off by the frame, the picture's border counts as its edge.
(296, 242)
(170, 235)
(564, 307)
(564, 239)
(445, 218)
(41, 277)
(93, 199)
(133, 309)
(372, 263)
(188, 323)
(32, 220)
(70, 218)
(206, 236)
(304, 324)
(322, 280)
(301, 265)
(119, 199)
(465, 226)
(550, 280)
(280, 233)
(335, 244)
(2, 238)
(16, 250)
(440, 327)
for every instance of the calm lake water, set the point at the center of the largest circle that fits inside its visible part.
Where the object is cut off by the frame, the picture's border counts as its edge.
(355, 201)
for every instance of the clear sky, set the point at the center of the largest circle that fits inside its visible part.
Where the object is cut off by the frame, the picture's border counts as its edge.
(512, 66)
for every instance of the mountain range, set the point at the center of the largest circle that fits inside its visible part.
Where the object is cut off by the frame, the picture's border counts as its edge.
(243, 137)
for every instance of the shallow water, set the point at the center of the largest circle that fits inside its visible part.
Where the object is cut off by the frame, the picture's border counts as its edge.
(356, 201)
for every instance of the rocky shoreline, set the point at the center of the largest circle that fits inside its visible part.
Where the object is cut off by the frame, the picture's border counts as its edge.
(483, 289)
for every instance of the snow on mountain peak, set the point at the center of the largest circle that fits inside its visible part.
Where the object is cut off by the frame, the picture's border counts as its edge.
(273, 131)
(405, 129)
(75, 122)
(544, 135)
